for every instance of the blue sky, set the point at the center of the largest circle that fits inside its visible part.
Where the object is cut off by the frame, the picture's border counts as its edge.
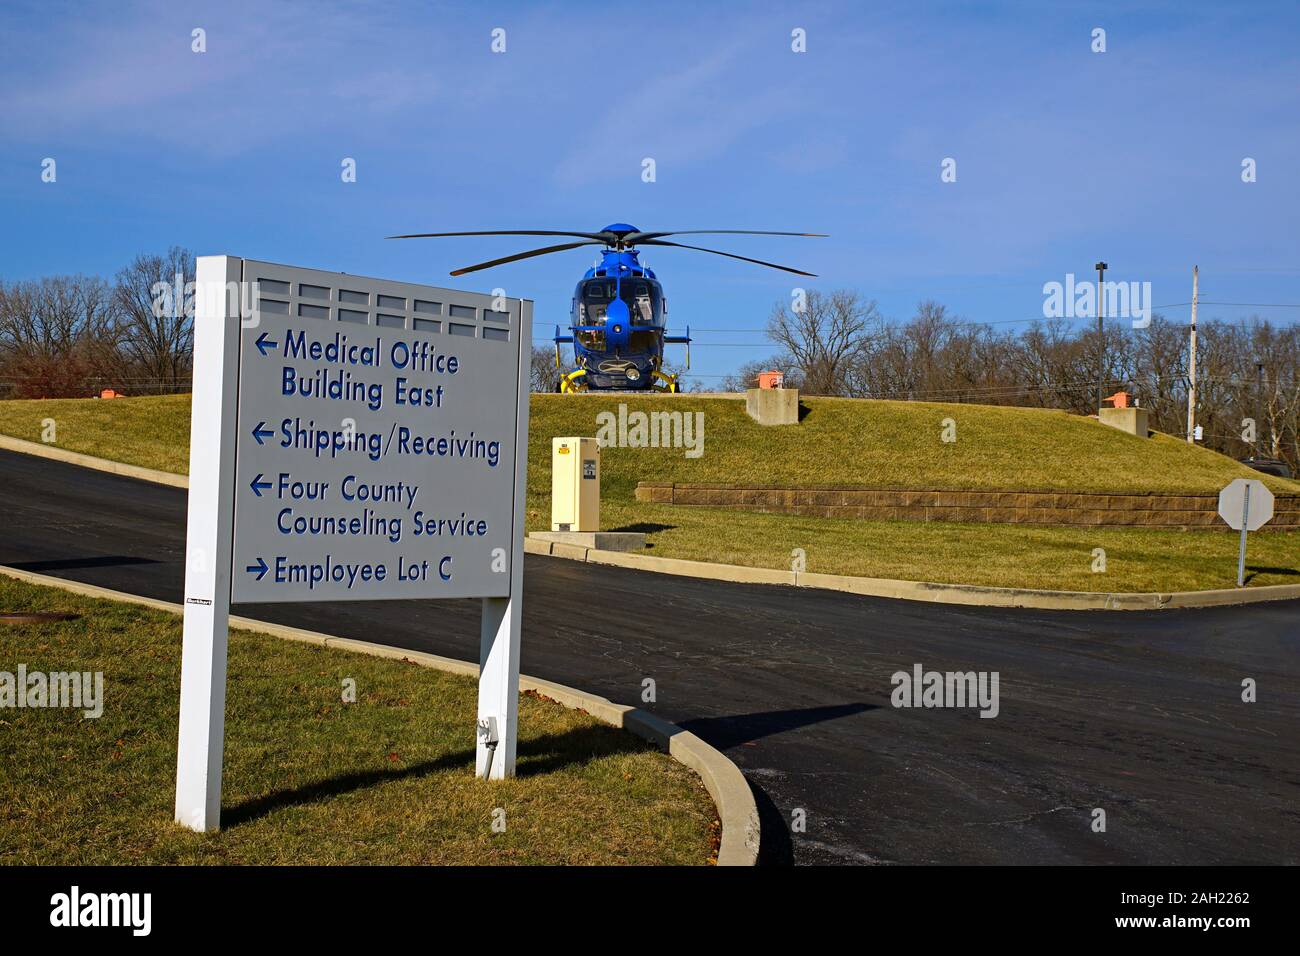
(1064, 156)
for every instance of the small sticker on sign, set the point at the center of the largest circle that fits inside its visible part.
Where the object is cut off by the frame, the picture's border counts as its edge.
(589, 468)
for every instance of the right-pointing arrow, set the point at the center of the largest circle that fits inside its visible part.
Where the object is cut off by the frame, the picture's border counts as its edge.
(261, 568)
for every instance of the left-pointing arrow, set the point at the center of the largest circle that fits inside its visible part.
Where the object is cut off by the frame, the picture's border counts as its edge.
(257, 484)
(259, 432)
(261, 568)
(263, 343)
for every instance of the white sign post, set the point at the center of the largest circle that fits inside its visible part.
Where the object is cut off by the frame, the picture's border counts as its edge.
(351, 439)
(1245, 504)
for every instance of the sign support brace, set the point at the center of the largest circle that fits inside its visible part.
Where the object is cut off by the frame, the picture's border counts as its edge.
(498, 684)
(209, 532)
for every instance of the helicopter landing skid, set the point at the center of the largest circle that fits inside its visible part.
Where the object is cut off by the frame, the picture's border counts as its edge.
(665, 382)
(573, 382)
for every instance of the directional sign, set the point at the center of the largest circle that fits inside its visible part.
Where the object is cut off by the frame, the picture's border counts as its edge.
(375, 440)
(350, 439)
(1232, 504)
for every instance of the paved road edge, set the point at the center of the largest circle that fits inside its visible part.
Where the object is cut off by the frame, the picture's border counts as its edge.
(725, 784)
(970, 594)
(22, 446)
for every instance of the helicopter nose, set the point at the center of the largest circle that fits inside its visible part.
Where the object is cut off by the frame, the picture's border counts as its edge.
(616, 322)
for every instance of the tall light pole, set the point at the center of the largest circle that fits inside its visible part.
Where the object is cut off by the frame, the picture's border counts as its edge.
(1191, 367)
(1101, 333)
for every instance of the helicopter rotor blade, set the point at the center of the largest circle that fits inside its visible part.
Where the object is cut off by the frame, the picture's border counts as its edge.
(526, 255)
(506, 232)
(729, 255)
(643, 236)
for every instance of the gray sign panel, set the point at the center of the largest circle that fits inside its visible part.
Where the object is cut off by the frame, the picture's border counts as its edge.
(376, 429)
(1232, 504)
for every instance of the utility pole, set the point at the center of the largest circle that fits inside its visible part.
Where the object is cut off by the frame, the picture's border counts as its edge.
(1101, 332)
(1263, 412)
(1191, 367)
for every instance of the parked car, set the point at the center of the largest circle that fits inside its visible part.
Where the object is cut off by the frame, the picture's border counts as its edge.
(1269, 466)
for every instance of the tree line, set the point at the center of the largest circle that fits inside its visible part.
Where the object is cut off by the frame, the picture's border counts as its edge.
(1248, 373)
(68, 336)
(72, 335)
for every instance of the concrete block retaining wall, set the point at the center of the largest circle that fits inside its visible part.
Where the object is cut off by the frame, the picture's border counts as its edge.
(1001, 507)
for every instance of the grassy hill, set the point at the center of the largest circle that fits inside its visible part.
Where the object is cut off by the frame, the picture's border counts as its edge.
(887, 444)
(152, 432)
(839, 441)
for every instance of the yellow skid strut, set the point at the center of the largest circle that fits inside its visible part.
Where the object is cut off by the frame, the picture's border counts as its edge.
(665, 382)
(572, 382)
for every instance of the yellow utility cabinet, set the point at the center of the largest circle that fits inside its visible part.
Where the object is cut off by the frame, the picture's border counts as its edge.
(575, 484)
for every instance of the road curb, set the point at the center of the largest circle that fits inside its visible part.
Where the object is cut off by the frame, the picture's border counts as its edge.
(725, 784)
(967, 594)
(9, 443)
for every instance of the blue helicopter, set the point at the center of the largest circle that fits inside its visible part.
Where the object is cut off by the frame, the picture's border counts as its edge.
(619, 316)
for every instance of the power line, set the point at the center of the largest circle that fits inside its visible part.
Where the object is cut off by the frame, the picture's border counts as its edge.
(978, 324)
(1253, 305)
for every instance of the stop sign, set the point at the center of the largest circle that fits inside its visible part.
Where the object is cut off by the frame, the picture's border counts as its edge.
(1233, 505)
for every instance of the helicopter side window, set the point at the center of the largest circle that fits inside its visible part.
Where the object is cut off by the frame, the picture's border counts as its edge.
(595, 296)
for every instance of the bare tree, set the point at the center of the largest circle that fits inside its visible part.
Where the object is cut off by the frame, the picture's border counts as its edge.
(543, 376)
(1247, 370)
(156, 314)
(56, 335)
(1158, 359)
(822, 337)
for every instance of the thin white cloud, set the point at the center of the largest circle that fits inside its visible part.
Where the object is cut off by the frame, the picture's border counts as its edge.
(681, 114)
(268, 70)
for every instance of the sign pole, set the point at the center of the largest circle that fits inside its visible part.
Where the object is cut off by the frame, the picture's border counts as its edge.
(209, 529)
(499, 637)
(1241, 553)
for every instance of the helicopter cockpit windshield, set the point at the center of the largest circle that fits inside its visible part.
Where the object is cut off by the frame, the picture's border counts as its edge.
(642, 298)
